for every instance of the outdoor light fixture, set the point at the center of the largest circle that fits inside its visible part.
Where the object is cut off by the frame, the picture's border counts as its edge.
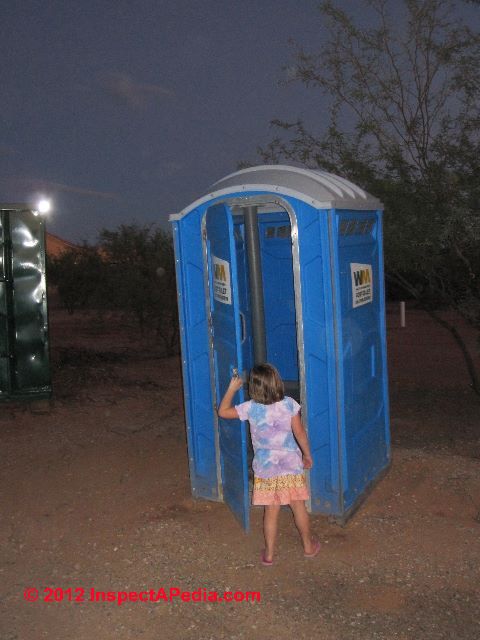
(44, 206)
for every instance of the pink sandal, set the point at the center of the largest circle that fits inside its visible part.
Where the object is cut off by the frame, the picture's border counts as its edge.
(264, 561)
(316, 548)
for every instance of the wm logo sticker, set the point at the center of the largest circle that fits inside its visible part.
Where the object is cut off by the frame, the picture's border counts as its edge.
(362, 284)
(220, 272)
(222, 288)
(363, 276)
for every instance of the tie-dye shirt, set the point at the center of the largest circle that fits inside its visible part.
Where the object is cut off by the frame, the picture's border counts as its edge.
(275, 448)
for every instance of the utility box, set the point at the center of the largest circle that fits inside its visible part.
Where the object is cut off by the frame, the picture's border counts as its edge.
(24, 351)
(285, 265)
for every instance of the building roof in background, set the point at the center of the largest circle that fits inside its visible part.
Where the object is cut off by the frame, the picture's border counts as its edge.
(55, 246)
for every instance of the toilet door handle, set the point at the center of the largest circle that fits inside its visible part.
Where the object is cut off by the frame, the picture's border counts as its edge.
(243, 323)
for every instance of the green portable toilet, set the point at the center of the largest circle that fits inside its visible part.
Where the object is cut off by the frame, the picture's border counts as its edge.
(24, 351)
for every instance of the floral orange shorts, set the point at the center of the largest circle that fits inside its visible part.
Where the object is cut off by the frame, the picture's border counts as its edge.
(280, 489)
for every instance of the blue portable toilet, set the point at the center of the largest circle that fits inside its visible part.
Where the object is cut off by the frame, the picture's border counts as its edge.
(284, 264)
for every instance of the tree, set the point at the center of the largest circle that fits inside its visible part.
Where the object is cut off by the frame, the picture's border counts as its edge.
(142, 278)
(131, 270)
(79, 275)
(403, 121)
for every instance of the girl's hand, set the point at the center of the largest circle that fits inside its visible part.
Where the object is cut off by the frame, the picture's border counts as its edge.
(236, 383)
(307, 462)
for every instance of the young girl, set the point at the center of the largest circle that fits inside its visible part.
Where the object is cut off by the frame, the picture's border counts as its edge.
(275, 428)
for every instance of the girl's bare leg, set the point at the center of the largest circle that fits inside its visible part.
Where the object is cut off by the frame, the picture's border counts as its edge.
(270, 528)
(302, 522)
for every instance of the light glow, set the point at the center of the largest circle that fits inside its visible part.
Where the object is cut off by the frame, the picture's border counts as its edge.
(44, 206)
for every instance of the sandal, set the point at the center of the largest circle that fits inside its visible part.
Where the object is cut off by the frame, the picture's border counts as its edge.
(316, 548)
(264, 561)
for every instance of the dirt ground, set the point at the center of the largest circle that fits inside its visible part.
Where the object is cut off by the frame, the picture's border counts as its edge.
(95, 494)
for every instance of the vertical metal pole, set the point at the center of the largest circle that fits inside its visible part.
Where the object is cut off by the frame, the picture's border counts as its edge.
(256, 284)
(402, 314)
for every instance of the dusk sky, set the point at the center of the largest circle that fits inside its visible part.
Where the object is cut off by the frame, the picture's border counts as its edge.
(127, 111)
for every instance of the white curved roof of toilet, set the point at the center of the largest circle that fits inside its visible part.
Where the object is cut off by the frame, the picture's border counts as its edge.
(319, 189)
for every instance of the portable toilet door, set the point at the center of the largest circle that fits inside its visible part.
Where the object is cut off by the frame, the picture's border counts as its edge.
(227, 334)
(252, 317)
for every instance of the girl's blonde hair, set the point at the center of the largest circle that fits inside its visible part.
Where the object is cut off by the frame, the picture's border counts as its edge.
(265, 385)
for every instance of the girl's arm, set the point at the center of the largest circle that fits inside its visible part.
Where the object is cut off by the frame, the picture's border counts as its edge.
(301, 437)
(225, 410)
